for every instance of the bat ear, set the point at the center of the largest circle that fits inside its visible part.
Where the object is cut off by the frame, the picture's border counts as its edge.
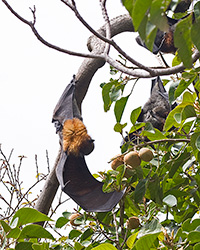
(158, 87)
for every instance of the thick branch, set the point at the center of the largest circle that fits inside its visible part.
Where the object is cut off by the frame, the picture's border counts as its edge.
(90, 66)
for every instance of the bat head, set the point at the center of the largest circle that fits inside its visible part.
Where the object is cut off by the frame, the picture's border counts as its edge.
(76, 141)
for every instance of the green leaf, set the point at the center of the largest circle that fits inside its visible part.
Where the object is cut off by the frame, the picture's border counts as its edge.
(170, 200)
(29, 215)
(5, 226)
(140, 190)
(119, 107)
(61, 222)
(145, 242)
(182, 41)
(136, 127)
(135, 114)
(151, 228)
(195, 33)
(24, 246)
(35, 231)
(188, 112)
(157, 15)
(156, 135)
(105, 246)
(106, 96)
(66, 215)
(119, 127)
(74, 234)
(14, 233)
(176, 60)
(131, 240)
(172, 90)
(181, 87)
(174, 117)
(155, 190)
(196, 246)
(189, 225)
(128, 4)
(194, 237)
(139, 10)
(87, 234)
(195, 142)
(197, 10)
(142, 28)
(43, 246)
(179, 162)
(151, 31)
(78, 246)
(188, 98)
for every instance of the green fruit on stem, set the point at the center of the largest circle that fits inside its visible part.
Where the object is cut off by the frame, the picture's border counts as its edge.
(146, 154)
(133, 222)
(119, 160)
(132, 159)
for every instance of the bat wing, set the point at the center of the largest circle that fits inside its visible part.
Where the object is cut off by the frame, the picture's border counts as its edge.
(78, 183)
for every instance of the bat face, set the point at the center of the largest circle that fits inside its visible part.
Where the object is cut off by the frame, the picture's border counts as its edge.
(72, 171)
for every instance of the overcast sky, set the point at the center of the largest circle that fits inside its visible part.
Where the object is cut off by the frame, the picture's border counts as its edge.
(33, 77)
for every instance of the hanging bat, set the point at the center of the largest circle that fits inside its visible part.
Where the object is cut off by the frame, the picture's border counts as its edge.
(72, 171)
(155, 110)
(157, 107)
(164, 41)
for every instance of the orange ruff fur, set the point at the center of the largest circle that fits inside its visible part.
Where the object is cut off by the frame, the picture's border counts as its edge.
(75, 137)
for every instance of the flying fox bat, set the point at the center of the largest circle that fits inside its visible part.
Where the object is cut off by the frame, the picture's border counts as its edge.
(157, 107)
(164, 41)
(155, 110)
(72, 171)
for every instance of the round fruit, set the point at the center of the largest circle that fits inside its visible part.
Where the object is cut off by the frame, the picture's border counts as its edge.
(133, 222)
(146, 154)
(132, 159)
(117, 161)
(73, 217)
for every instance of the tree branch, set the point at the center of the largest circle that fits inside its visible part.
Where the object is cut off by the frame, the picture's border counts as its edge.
(42, 40)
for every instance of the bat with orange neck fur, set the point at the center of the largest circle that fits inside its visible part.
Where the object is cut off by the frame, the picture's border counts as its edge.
(72, 171)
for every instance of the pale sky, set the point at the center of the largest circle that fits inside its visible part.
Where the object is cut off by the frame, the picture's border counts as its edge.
(33, 77)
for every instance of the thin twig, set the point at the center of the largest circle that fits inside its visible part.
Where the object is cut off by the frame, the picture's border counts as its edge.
(48, 164)
(116, 229)
(107, 24)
